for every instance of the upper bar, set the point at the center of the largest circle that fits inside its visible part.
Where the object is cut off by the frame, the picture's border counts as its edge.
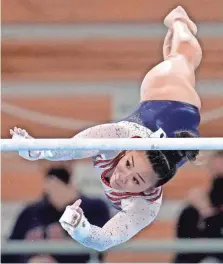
(113, 144)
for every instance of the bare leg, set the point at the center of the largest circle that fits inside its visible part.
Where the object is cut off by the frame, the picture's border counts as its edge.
(174, 78)
(185, 44)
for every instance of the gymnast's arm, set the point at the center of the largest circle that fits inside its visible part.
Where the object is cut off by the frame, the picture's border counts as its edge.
(136, 215)
(116, 130)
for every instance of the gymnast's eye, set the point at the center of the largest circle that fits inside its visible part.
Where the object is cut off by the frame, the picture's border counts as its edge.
(135, 181)
(127, 164)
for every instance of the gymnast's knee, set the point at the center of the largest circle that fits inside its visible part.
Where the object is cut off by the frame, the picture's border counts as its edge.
(182, 68)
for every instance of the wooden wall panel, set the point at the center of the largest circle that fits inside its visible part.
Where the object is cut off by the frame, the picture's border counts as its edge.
(141, 257)
(31, 11)
(186, 179)
(214, 127)
(20, 179)
(95, 60)
(85, 108)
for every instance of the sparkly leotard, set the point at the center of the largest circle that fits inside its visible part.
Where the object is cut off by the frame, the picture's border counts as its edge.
(136, 210)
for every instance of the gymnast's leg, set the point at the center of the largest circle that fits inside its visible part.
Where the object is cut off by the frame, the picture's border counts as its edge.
(174, 78)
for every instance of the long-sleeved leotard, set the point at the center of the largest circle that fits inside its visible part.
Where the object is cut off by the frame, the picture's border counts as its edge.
(136, 211)
(123, 129)
(136, 214)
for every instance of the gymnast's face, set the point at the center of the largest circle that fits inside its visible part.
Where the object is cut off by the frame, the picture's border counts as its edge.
(133, 173)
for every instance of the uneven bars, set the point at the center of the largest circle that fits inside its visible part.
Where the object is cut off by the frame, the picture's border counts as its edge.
(113, 144)
(67, 247)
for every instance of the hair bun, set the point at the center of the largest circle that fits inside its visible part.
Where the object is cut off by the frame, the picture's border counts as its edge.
(165, 162)
(188, 154)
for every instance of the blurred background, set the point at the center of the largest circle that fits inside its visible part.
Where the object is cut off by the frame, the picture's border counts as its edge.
(70, 64)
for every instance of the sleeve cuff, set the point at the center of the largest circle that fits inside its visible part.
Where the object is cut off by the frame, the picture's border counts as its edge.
(83, 229)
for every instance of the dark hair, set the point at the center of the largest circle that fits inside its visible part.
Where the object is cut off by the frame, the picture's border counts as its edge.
(60, 173)
(216, 194)
(165, 162)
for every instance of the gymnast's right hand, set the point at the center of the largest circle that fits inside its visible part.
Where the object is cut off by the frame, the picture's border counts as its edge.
(18, 133)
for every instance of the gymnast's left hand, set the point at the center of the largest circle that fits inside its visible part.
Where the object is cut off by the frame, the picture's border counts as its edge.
(71, 217)
(19, 133)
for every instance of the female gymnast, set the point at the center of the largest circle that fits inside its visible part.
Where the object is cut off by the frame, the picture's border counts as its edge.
(132, 180)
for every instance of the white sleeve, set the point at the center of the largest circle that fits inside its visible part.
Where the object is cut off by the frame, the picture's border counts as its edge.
(115, 130)
(137, 213)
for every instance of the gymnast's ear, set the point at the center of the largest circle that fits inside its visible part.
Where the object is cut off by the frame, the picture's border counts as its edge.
(188, 154)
